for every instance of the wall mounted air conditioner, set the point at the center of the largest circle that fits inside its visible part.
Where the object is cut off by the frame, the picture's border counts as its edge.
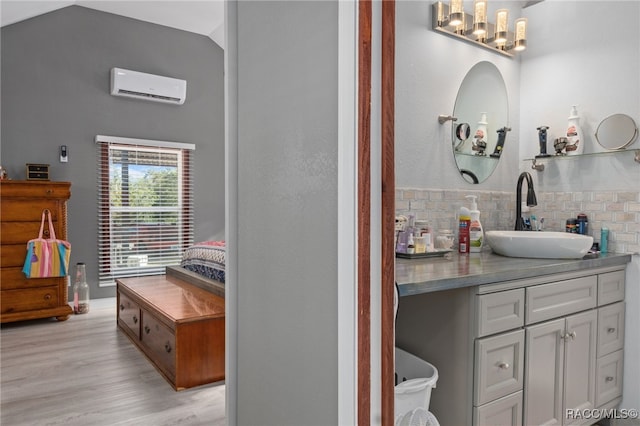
(150, 87)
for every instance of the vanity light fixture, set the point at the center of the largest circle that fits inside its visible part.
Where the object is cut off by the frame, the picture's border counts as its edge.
(450, 19)
(480, 18)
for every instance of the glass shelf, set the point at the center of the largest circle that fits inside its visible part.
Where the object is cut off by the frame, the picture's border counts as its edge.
(537, 166)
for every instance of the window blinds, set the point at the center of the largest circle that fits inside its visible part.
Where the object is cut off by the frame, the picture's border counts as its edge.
(145, 206)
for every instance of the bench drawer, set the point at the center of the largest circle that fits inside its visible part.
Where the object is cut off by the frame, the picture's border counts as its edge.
(129, 314)
(161, 341)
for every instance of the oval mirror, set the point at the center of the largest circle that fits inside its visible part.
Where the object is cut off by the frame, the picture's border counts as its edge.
(616, 131)
(482, 110)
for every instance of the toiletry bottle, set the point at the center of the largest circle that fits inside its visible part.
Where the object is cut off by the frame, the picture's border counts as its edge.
(475, 227)
(575, 142)
(480, 137)
(411, 248)
(502, 136)
(542, 141)
(464, 220)
(604, 240)
(425, 230)
(583, 224)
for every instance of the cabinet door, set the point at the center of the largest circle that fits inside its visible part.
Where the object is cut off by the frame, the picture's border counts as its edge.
(580, 363)
(544, 373)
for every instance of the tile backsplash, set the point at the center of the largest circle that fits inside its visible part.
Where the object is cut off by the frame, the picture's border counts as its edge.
(618, 211)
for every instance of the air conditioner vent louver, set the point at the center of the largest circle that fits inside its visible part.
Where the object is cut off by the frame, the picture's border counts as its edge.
(134, 84)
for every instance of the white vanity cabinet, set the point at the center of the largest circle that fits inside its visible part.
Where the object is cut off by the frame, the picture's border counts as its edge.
(525, 352)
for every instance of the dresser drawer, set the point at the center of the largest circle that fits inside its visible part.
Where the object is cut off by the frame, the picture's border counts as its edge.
(610, 287)
(129, 314)
(28, 299)
(500, 311)
(13, 278)
(160, 341)
(28, 210)
(609, 377)
(560, 298)
(499, 366)
(610, 328)
(30, 189)
(22, 232)
(13, 255)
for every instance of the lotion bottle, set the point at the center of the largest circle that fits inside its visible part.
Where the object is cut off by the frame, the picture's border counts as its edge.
(476, 233)
(464, 220)
(575, 142)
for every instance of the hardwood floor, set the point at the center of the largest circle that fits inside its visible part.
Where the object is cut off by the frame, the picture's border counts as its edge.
(84, 371)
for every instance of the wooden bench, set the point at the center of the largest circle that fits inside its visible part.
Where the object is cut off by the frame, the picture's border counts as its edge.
(178, 326)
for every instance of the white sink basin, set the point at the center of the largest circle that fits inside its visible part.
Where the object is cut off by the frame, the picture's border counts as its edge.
(548, 245)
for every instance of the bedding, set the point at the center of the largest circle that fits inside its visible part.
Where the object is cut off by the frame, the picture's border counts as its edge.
(206, 258)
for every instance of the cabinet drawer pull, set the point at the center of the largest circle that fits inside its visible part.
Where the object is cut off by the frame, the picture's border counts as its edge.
(504, 365)
(147, 329)
(121, 307)
(568, 336)
(167, 347)
(47, 297)
(135, 319)
(609, 379)
(611, 330)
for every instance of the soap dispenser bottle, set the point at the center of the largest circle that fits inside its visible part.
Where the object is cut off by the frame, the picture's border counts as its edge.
(476, 233)
(575, 142)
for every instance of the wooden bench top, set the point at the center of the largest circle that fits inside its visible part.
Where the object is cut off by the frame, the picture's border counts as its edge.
(178, 300)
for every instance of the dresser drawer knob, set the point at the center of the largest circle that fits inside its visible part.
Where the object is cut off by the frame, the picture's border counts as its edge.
(611, 330)
(609, 379)
(147, 329)
(47, 297)
(167, 347)
(504, 365)
(121, 307)
(135, 319)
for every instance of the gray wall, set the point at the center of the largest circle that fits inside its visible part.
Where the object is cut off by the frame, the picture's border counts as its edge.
(55, 91)
(287, 213)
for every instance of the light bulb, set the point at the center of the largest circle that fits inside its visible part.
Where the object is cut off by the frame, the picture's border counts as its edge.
(455, 12)
(502, 19)
(479, 17)
(520, 42)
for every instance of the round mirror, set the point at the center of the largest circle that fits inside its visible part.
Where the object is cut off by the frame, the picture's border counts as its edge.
(616, 131)
(482, 111)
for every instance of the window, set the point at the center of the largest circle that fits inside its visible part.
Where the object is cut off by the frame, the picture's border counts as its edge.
(145, 206)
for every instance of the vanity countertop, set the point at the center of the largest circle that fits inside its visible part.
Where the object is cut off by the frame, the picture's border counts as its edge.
(417, 276)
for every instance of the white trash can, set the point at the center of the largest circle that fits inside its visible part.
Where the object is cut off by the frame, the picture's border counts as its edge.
(415, 378)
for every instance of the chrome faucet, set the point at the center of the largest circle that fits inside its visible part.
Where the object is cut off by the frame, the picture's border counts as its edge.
(531, 199)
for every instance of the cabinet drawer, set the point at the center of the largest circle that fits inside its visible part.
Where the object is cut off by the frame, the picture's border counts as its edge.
(161, 342)
(561, 298)
(28, 299)
(14, 278)
(498, 366)
(13, 255)
(21, 232)
(505, 411)
(30, 189)
(610, 328)
(610, 287)
(129, 314)
(609, 378)
(500, 311)
(28, 210)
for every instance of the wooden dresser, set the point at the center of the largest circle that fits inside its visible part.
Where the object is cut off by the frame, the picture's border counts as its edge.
(178, 326)
(21, 208)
